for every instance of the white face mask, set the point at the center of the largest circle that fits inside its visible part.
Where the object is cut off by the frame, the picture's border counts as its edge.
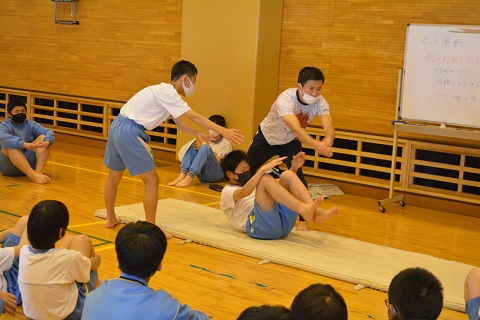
(213, 134)
(309, 99)
(188, 91)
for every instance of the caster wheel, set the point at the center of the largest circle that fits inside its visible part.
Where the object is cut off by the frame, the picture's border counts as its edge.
(402, 203)
(382, 209)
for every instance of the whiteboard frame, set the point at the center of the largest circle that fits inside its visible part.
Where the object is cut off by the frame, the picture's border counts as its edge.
(402, 94)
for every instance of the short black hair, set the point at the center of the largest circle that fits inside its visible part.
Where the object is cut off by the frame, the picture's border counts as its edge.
(266, 312)
(416, 293)
(15, 102)
(218, 119)
(232, 160)
(44, 223)
(310, 73)
(319, 301)
(140, 248)
(181, 68)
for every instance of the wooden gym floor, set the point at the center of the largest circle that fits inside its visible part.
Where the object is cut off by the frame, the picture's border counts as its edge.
(220, 283)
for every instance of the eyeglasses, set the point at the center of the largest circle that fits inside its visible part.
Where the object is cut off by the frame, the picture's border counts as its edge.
(387, 303)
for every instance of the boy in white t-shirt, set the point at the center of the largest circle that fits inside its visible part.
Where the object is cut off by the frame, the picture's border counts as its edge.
(127, 145)
(11, 240)
(204, 161)
(54, 281)
(263, 207)
(282, 131)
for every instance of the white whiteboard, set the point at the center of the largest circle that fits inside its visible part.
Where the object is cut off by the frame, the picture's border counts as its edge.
(441, 75)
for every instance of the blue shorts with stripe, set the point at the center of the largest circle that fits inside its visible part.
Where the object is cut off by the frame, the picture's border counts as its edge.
(127, 147)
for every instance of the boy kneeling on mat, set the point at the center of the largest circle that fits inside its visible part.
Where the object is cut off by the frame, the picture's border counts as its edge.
(263, 207)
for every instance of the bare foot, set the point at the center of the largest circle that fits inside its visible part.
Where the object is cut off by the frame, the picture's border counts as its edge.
(179, 178)
(302, 226)
(324, 214)
(112, 222)
(187, 181)
(39, 178)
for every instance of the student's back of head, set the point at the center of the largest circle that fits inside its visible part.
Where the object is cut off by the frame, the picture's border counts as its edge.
(140, 248)
(415, 293)
(319, 301)
(266, 312)
(47, 223)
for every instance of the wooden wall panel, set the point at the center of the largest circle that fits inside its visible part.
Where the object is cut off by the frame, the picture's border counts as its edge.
(118, 48)
(359, 45)
(121, 46)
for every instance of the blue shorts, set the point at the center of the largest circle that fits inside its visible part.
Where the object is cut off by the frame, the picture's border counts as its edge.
(127, 147)
(84, 288)
(472, 308)
(8, 169)
(12, 240)
(274, 224)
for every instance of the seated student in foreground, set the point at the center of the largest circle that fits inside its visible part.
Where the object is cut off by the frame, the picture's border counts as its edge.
(319, 301)
(414, 293)
(140, 248)
(54, 281)
(11, 240)
(262, 206)
(204, 161)
(267, 312)
(24, 144)
(472, 294)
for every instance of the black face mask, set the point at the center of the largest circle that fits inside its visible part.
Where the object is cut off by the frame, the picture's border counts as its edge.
(244, 177)
(19, 117)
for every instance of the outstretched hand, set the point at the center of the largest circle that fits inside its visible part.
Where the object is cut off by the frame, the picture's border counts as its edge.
(233, 135)
(204, 137)
(10, 302)
(272, 164)
(298, 161)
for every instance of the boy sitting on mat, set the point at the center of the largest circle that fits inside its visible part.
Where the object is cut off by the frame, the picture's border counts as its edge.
(204, 161)
(263, 207)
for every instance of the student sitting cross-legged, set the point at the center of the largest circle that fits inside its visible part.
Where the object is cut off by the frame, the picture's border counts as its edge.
(263, 207)
(140, 248)
(54, 281)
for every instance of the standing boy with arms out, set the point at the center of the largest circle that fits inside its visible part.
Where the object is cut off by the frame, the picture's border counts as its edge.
(282, 131)
(127, 140)
(263, 207)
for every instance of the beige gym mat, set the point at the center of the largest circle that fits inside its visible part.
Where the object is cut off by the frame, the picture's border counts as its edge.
(350, 260)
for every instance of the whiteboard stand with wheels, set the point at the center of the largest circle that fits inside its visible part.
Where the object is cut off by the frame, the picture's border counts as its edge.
(439, 84)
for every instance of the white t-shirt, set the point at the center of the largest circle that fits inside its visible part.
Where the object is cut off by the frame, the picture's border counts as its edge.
(153, 105)
(6, 260)
(221, 147)
(275, 130)
(236, 212)
(47, 281)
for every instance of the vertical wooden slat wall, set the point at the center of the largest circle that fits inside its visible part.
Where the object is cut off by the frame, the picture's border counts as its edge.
(360, 45)
(121, 46)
